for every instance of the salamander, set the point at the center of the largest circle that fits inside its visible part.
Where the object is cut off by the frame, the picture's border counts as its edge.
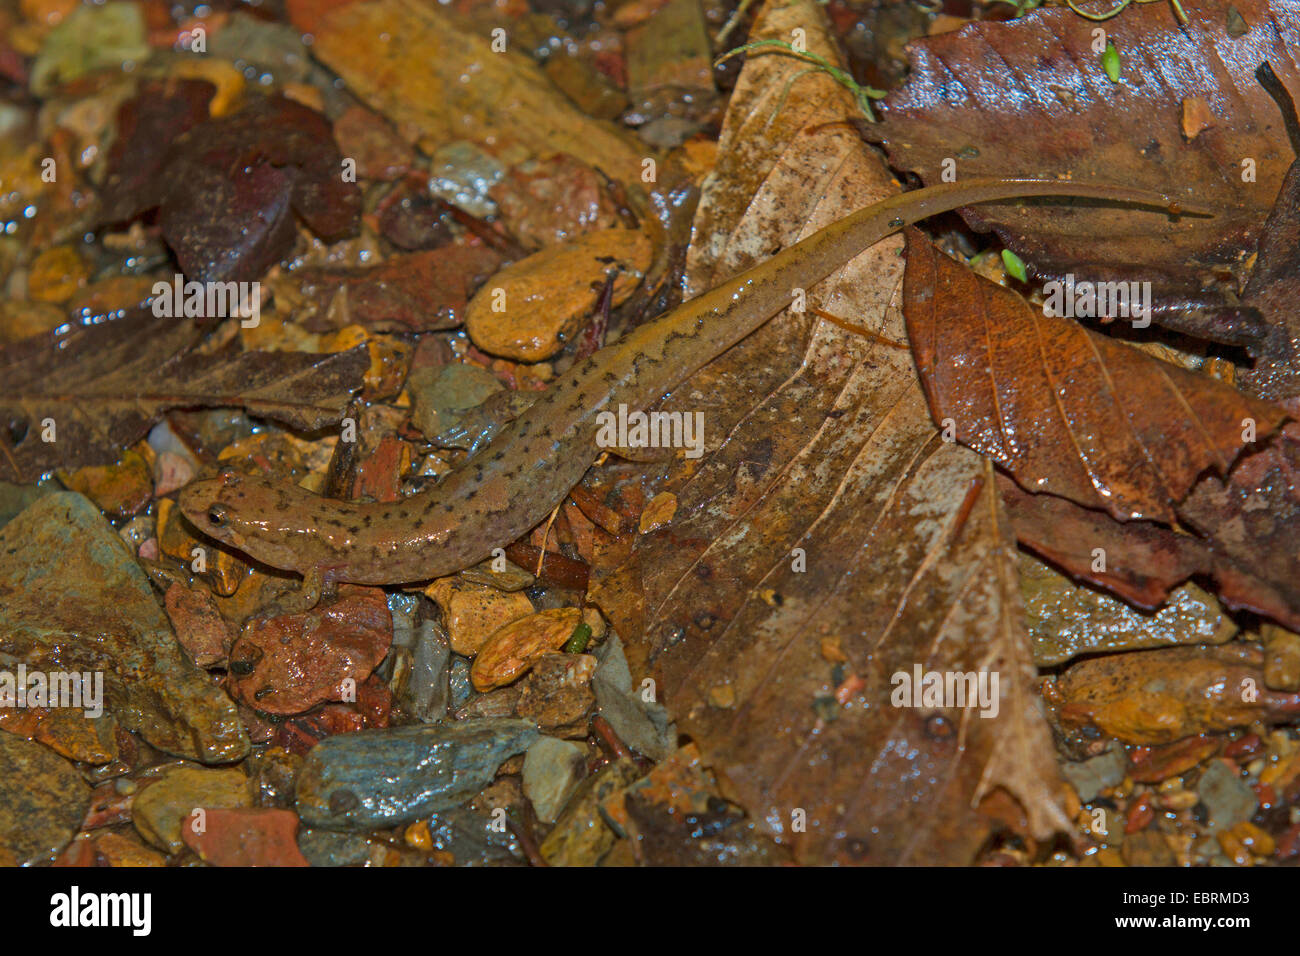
(529, 467)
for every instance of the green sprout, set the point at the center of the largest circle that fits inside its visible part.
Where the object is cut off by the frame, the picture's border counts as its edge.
(578, 642)
(862, 95)
(1015, 266)
(1110, 62)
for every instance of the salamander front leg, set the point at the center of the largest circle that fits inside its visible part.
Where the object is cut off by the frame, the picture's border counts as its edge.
(316, 585)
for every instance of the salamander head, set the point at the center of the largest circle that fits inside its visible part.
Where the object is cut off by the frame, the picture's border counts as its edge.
(268, 520)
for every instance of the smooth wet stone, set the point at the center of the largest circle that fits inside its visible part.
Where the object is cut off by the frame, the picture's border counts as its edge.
(443, 397)
(394, 776)
(1090, 777)
(553, 769)
(165, 807)
(644, 726)
(92, 38)
(1066, 620)
(261, 836)
(426, 690)
(72, 598)
(15, 499)
(42, 802)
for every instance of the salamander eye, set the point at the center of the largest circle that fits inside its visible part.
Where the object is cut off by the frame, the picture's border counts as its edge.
(217, 516)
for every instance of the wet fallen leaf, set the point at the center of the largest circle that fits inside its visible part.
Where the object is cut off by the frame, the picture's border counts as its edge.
(225, 188)
(467, 91)
(825, 506)
(78, 395)
(1066, 410)
(1031, 98)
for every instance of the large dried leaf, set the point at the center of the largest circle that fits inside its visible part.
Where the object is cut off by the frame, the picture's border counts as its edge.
(1031, 98)
(1064, 409)
(103, 386)
(818, 440)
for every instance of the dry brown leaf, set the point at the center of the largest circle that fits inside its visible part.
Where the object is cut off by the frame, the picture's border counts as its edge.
(79, 394)
(818, 440)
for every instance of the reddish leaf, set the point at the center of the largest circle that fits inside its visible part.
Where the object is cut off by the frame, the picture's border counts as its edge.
(225, 188)
(419, 292)
(146, 123)
(1066, 410)
(1031, 97)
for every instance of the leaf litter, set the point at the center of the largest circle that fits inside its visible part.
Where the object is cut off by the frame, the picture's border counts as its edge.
(730, 652)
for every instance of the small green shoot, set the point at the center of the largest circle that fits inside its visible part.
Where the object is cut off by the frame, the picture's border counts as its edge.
(578, 642)
(1110, 63)
(1015, 266)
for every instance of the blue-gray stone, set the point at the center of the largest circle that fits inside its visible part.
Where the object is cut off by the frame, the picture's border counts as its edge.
(394, 776)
